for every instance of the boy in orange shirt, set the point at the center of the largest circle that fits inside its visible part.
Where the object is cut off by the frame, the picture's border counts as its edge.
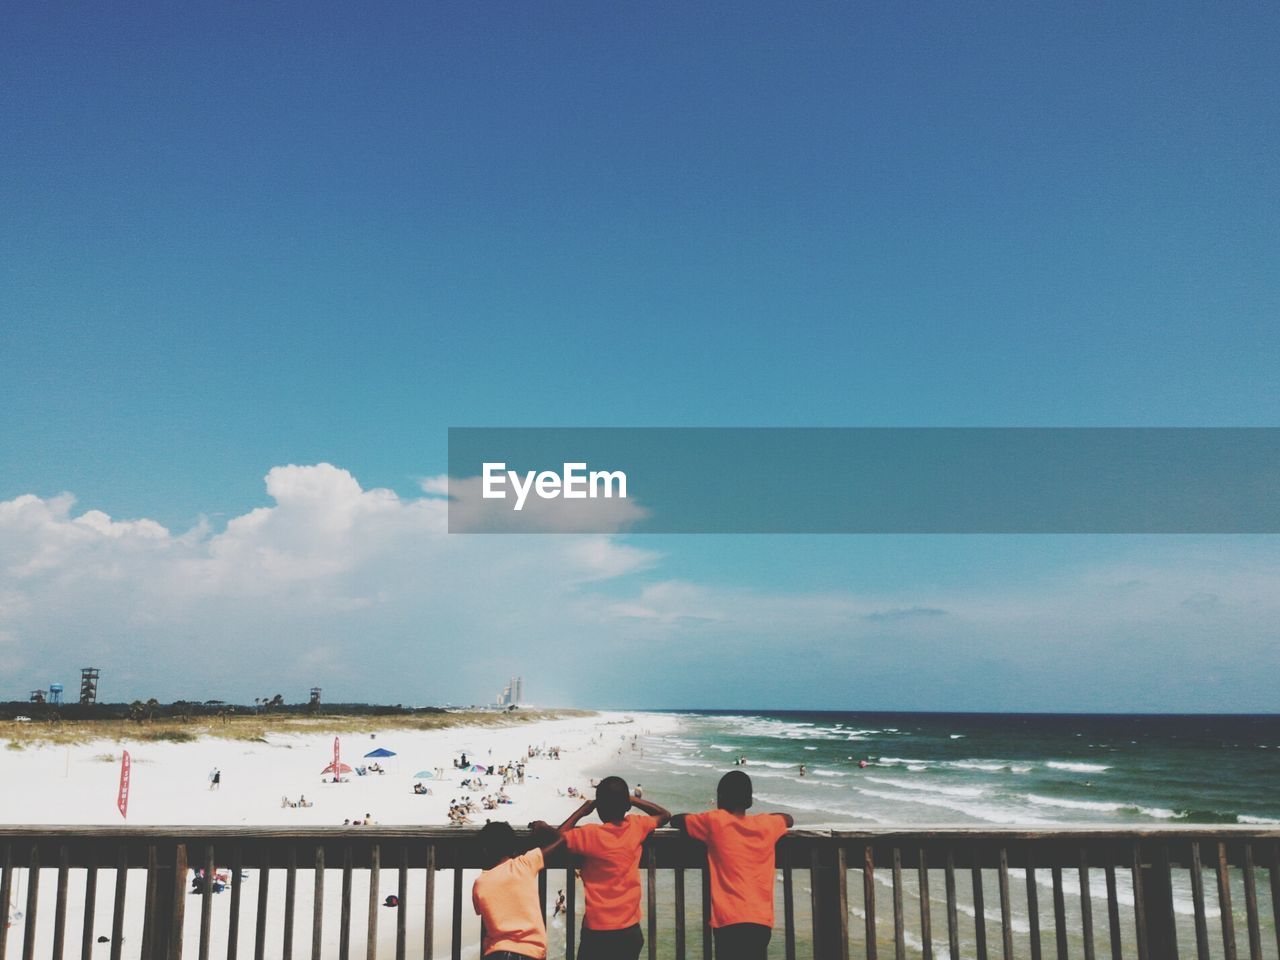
(610, 871)
(740, 853)
(506, 896)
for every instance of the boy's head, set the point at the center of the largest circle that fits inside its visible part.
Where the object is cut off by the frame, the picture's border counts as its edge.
(734, 791)
(613, 799)
(497, 842)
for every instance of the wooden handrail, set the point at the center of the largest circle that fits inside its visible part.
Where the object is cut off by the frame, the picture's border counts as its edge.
(908, 884)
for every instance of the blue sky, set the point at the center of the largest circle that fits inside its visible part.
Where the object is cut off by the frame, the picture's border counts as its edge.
(242, 237)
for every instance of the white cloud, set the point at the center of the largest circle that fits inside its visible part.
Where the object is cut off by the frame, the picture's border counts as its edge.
(362, 586)
(365, 593)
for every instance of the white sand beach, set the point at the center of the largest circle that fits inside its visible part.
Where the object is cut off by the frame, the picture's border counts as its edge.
(171, 786)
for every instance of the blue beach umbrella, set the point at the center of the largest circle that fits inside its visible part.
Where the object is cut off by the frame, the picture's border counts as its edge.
(380, 752)
(425, 775)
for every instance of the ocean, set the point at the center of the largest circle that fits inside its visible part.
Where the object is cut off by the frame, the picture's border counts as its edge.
(1007, 769)
(898, 769)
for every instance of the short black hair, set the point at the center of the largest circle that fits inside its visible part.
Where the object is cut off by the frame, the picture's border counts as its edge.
(497, 842)
(734, 791)
(613, 799)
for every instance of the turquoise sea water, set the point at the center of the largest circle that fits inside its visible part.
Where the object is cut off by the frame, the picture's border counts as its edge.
(970, 768)
(967, 769)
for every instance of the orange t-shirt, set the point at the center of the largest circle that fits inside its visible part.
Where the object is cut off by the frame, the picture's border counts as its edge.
(610, 875)
(506, 898)
(740, 851)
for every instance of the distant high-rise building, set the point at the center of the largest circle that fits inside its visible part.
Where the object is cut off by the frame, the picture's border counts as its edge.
(512, 694)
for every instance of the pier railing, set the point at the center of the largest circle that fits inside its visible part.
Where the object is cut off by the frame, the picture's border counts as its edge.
(1152, 894)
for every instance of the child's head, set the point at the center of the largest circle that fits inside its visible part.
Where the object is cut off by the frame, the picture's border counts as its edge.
(497, 842)
(734, 791)
(613, 799)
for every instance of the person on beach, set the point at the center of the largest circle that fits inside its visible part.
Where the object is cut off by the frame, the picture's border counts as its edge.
(610, 871)
(505, 895)
(740, 853)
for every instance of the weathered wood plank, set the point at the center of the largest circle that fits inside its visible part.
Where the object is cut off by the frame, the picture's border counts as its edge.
(1251, 905)
(33, 905)
(681, 946)
(206, 902)
(651, 895)
(60, 904)
(1197, 901)
(6, 891)
(344, 905)
(926, 922)
(899, 918)
(1006, 911)
(1224, 904)
(1113, 915)
(178, 885)
(1059, 913)
(87, 936)
(375, 888)
(1139, 904)
(456, 943)
(260, 920)
(233, 917)
(317, 904)
(570, 914)
(869, 901)
(842, 900)
(429, 908)
(1033, 906)
(1086, 907)
(979, 910)
(117, 910)
(402, 902)
(953, 920)
(291, 896)
(706, 909)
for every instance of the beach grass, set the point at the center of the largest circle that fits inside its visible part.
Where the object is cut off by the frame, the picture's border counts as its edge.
(19, 735)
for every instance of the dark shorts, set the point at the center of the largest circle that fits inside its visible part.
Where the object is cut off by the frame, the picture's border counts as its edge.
(742, 941)
(624, 944)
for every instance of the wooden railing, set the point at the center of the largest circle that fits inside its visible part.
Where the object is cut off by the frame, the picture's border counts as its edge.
(877, 893)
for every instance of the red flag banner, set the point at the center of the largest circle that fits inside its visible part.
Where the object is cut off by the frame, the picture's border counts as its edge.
(122, 797)
(337, 764)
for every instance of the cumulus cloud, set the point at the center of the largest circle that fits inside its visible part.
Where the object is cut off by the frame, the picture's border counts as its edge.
(365, 593)
(356, 588)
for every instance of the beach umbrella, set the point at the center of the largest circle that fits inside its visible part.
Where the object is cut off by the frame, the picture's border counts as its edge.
(479, 769)
(380, 752)
(342, 768)
(425, 775)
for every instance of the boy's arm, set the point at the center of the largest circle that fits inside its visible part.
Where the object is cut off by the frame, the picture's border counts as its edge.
(678, 822)
(659, 813)
(787, 818)
(569, 824)
(553, 846)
